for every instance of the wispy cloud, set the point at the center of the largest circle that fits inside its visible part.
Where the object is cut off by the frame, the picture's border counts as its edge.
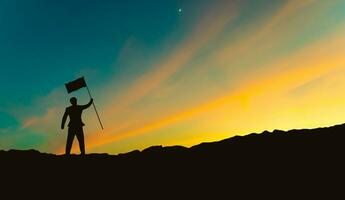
(283, 75)
(138, 110)
(232, 51)
(208, 28)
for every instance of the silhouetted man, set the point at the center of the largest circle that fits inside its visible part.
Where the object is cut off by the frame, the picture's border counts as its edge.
(75, 125)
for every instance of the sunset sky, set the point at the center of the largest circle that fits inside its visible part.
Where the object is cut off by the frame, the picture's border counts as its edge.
(174, 72)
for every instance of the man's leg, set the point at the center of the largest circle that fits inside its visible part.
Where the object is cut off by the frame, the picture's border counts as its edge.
(80, 137)
(70, 137)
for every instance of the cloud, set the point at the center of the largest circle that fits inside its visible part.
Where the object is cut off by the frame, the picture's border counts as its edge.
(41, 121)
(288, 9)
(126, 119)
(208, 28)
(280, 77)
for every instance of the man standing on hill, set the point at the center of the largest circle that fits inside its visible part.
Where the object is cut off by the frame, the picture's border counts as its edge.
(75, 125)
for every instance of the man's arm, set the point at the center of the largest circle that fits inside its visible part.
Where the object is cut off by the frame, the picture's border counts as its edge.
(87, 105)
(64, 119)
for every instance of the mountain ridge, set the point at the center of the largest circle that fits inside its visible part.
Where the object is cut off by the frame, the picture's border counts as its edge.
(161, 147)
(272, 165)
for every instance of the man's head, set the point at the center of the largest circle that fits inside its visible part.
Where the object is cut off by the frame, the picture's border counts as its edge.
(73, 101)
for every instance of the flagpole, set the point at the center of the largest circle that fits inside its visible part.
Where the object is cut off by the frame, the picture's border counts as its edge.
(87, 87)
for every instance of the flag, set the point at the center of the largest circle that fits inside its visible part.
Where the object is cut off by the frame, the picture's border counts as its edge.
(75, 85)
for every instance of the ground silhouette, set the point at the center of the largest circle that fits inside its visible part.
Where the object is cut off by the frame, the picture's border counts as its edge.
(270, 164)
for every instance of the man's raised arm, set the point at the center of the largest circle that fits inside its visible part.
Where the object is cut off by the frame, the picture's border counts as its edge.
(64, 119)
(87, 105)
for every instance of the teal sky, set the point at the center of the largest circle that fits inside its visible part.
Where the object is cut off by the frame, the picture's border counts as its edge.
(151, 64)
(47, 43)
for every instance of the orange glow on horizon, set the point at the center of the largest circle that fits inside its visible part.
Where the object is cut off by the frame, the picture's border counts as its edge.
(293, 71)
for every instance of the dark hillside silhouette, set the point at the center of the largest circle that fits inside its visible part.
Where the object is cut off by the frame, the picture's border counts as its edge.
(305, 162)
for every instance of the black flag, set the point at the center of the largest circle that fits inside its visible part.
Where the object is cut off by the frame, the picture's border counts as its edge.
(75, 85)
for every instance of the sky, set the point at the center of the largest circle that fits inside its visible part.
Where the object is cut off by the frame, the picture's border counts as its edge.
(175, 72)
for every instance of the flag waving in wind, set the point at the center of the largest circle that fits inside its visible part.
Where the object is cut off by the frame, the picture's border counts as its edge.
(76, 85)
